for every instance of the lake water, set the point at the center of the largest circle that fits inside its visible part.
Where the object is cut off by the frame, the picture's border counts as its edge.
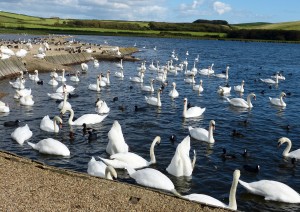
(212, 175)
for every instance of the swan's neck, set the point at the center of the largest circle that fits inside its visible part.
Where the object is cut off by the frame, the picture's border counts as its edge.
(98, 84)
(249, 101)
(194, 160)
(287, 149)
(226, 76)
(232, 195)
(54, 123)
(107, 77)
(71, 116)
(152, 155)
(158, 98)
(210, 133)
(281, 100)
(184, 109)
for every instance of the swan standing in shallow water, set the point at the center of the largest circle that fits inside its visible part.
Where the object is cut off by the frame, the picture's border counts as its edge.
(202, 134)
(50, 125)
(278, 101)
(192, 111)
(21, 134)
(128, 159)
(239, 102)
(272, 190)
(199, 87)
(181, 164)
(116, 139)
(100, 169)
(151, 100)
(86, 118)
(240, 88)
(51, 146)
(286, 152)
(174, 93)
(202, 198)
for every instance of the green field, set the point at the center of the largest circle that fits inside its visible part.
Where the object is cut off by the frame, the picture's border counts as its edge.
(295, 25)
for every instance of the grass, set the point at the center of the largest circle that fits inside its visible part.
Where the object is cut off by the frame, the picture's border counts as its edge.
(295, 25)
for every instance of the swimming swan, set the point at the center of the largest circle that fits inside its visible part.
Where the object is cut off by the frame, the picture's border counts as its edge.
(202, 198)
(174, 93)
(286, 152)
(35, 76)
(50, 125)
(27, 100)
(151, 100)
(278, 101)
(86, 118)
(51, 146)
(239, 102)
(181, 164)
(199, 87)
(116, 139)
(101, 107)
(271, 81)
(147, 87)
(192, 111)
(202, 134)
(240, 88)
(95, 87)
(21, 134)
(100, 169)
(223, 75)
(125, 159)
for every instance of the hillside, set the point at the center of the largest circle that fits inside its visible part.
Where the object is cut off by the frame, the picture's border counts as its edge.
(295, 25)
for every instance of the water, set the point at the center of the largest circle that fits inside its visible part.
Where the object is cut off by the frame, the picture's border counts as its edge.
(212, 176)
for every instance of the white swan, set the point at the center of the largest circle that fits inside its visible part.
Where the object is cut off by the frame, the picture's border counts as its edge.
(4, 108)
(199, 87)
(202, 134)
(101, 107)
(53, 81)
(152, 178)
(137, 79)
(120, 64)
(62, 77)
(102, 83)
(192, 111)
(207, 71)
(20, 93)
(75, 78)
(202, 198)
(35, 76)
(272, 190)
(279, 75)
(54, 74)
(286, 152)
(151, 100)
(27, 100)
(84, 67)
(119, 74)
(58, 96)
(239, 102)
(148, 87)
(100, 169)
(116, 139)
(125, 159)
(50, 125)
(65, 88)
(181, 164)
(86, 118)
(64, 103)
(106, 79)
(239, 88)
(174, 93)
(21, 134)
(278, 101)
(223, 75)
(51, 146)
(96, 63)
(95, 87)
(271, 81)
(19, 83)
(223, 90)
(191, 79)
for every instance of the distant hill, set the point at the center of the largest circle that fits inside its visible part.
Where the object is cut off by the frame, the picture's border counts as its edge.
(295, 25)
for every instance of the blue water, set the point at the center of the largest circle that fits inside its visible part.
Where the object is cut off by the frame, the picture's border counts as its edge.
(248, 61)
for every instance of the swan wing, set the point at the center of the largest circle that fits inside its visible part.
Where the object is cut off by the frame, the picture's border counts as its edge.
(202, 198)
(131, 159)
(238, 102)
(21, 134)
(96, 168)
(52, 147)
(200, 134)
(89, 119)
(294, 154)
(194, 111)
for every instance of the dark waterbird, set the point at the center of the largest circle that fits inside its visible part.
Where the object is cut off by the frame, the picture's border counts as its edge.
(72, 95)
(253, 169)
(139, 109)
(115, 99)
(11, 123)
(226, 156)
(86, 129)
(40, 82)
(235, 133)
(246, 154)
(92, 136)
(173, 138)
(291, 165)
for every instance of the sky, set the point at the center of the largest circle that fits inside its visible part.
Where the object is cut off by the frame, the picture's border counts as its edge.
(232, 11)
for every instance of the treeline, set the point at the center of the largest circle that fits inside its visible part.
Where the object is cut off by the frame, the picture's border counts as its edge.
(260, 34)
(190, 27)
(202, 21)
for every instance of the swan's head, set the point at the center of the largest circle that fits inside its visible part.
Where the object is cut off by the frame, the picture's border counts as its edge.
(185, 101)
(283, 94)
(58, 119)
(237, 174)
(213, 124)
(253, 95)
(157, 139)
(36, 71)
(243, 82)
(174, 84)
(159, 90)
(282, 141)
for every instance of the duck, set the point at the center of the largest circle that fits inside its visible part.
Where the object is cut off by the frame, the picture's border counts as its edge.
(50, 125)
(51, 146)
(181, 164)
(174, 93)
(27, 100)
(86, 118)
(116, 139)
(272, 190)
(239, 102)
(225, 76)
(139, 109)
(151, 100)
(225, 155)
(100, 169)
(75, 78)
(240, 88)
(202, 198)
(192, 111)
(101, 107)
(35, 76)
(278, 101)
(21, 134)
(202, 134)
(254, 169)
(95, 87)
(245, 154)
(152, 178)
(62, 77)
(53, 81)
(12, 123)
(147, 87)
(286, 152)
(122, 160)
(86, 129)
(199, 87)
(92, 135)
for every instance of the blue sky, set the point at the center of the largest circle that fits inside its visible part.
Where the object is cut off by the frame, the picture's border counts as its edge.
(233, 11)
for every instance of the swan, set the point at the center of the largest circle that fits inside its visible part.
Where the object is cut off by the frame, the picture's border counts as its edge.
(190, 80)
(86, 118)
(239, 102)
(223, 75)
(272, 190)
(279, 75)
(207, 71)
(152, 178)
(202, 198)
(53, 82)
(151, 100)
(50, 125)
(19, 83)
(152, 66)
(239, 88)
(75, 78)
(62, 77)
(35, 76)
(102, 107)
(192, 111)
(51, 146)
(125, 159)
(54, 74)
(119, 74)
(116, 139)
(271, 81)
(96, 63)
(278, 101)
(21, 53)
(162, 77)
(106, 79)
(21, 134)
(58, 96)
(102, 83)
(223, 90)
(199, 87)
(286, 152)
(120, 64)
(202, 134)
(27, 100)
(65, 88)
(100, 169)
(4, 108)
(137, 79)
(181, 164)
(174, 93)
(95, 87)
(20, 93)
(147, 87)
(84, 67)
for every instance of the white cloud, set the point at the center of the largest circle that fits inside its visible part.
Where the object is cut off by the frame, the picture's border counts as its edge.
(221, 7)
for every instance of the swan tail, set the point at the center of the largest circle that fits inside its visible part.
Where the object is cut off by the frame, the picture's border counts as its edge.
(176, 193)
(31, 144)
(228, 100)
(245, 185)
